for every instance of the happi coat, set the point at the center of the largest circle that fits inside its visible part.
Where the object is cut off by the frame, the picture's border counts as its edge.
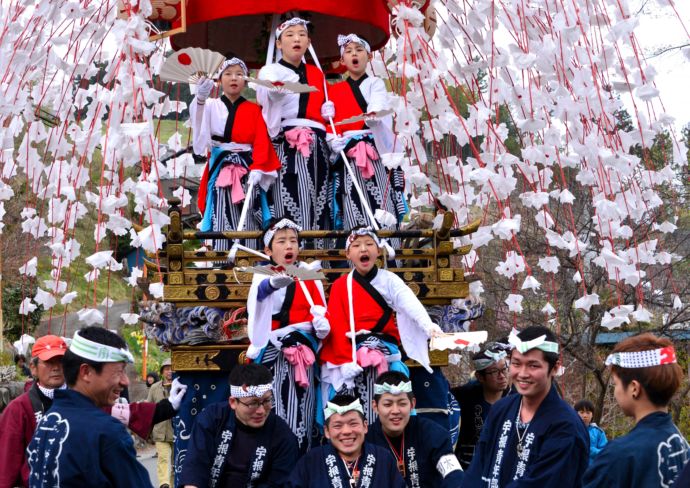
(653, 453)
(427, 453)
(76, 444)
(211, 444)
(555, 447)
(322, 467)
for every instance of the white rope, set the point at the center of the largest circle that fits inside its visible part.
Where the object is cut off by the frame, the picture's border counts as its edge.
(350, 305)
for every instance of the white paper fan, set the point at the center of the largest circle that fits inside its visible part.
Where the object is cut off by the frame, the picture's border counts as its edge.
(367, 116)
(458, 340)
(286, 86)
(291, 270)
(191, 63)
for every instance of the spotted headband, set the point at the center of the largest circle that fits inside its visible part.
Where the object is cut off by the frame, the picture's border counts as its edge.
(402, 387)
(290, 23)
(332, 408)
(642, 359)
(245, 391)
(492, 357)
(345, 40)
(362, 231)
(232, 62)
(281, 224)
(538, 343)
(97, 352)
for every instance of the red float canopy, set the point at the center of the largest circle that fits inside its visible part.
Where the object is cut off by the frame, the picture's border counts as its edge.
(241, 27)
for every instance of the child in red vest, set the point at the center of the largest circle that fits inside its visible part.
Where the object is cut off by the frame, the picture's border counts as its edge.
(363, 142)
(286, 320)
(241, 152)
(372, 312)
(296, 124)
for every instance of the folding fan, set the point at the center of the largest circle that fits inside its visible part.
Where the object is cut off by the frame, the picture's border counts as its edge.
(291, 270)
(288, 86)
(189, 64)
(367, 116)
(458, 340)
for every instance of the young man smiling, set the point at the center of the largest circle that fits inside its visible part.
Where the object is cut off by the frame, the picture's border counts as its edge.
(240, 442)
(421, 447)
(76, 443)
(347, 461)
(532, 439)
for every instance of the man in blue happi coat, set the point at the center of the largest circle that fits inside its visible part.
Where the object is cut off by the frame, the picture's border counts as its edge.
(241, 442)
(532, 439)
(76, 444)
(421, 447)
(347, 461)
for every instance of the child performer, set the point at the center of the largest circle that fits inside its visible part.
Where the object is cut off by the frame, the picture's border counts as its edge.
(363, 309)
(286, 320)
(645, 377)
(363, 142)
(241, 151)
(296, 125)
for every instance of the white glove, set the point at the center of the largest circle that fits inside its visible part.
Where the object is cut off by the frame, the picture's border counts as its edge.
(337, 144)
(350, 371)
(121, 412)
(177, 391)
(321, 325)
(254, 177)
(203, 89)
(328, 110)
(434, 330)
(280, 281)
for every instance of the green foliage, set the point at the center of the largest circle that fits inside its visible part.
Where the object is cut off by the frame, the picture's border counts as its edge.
(134, 337)
(16, 324)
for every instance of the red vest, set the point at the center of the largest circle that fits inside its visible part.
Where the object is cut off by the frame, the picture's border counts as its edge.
(346, 106)
(295, 307)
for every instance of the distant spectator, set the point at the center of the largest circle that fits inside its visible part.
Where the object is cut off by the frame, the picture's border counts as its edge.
(20, 363)
(151, 378)
(597, 437)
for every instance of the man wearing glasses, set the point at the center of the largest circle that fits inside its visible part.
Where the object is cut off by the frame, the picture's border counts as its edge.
(240, 442)
(477, 396)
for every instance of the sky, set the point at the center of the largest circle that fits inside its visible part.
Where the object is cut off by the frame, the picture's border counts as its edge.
(660, 27)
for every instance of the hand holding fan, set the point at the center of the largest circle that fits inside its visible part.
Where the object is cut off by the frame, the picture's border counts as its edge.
(290, 270)
(189, 64)
(458, 340)
(282, 86)
(367, 116)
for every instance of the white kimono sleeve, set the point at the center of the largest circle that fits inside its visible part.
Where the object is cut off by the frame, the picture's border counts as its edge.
(271, 102)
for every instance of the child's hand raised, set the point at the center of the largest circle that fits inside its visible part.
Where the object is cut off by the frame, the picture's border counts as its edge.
(280, 281)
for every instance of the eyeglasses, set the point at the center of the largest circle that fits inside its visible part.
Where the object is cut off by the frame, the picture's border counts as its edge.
(497, 372)
(265, 404)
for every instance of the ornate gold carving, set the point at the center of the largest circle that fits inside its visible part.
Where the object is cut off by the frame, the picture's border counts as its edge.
(201, 360)
(242, 357)
(178, 292)
(212, 292)
(175, 265)
(211, 278)
(445, 275)
(436, 358)
(443, 262)
(414, 287)
(407, 276)
(444, 247)
(175, 278)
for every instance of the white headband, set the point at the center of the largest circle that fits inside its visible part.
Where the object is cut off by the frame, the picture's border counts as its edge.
(362, 231)
(232, 62)
(538, 343)
(332, 408)
(245, 391)
(97, 352)
(345, 40)
(642, 359)
(402, 387)
(281, 224)
(290, 23)
(492, 358)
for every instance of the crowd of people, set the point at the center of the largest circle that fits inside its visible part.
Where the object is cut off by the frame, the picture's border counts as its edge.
(327, 399)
